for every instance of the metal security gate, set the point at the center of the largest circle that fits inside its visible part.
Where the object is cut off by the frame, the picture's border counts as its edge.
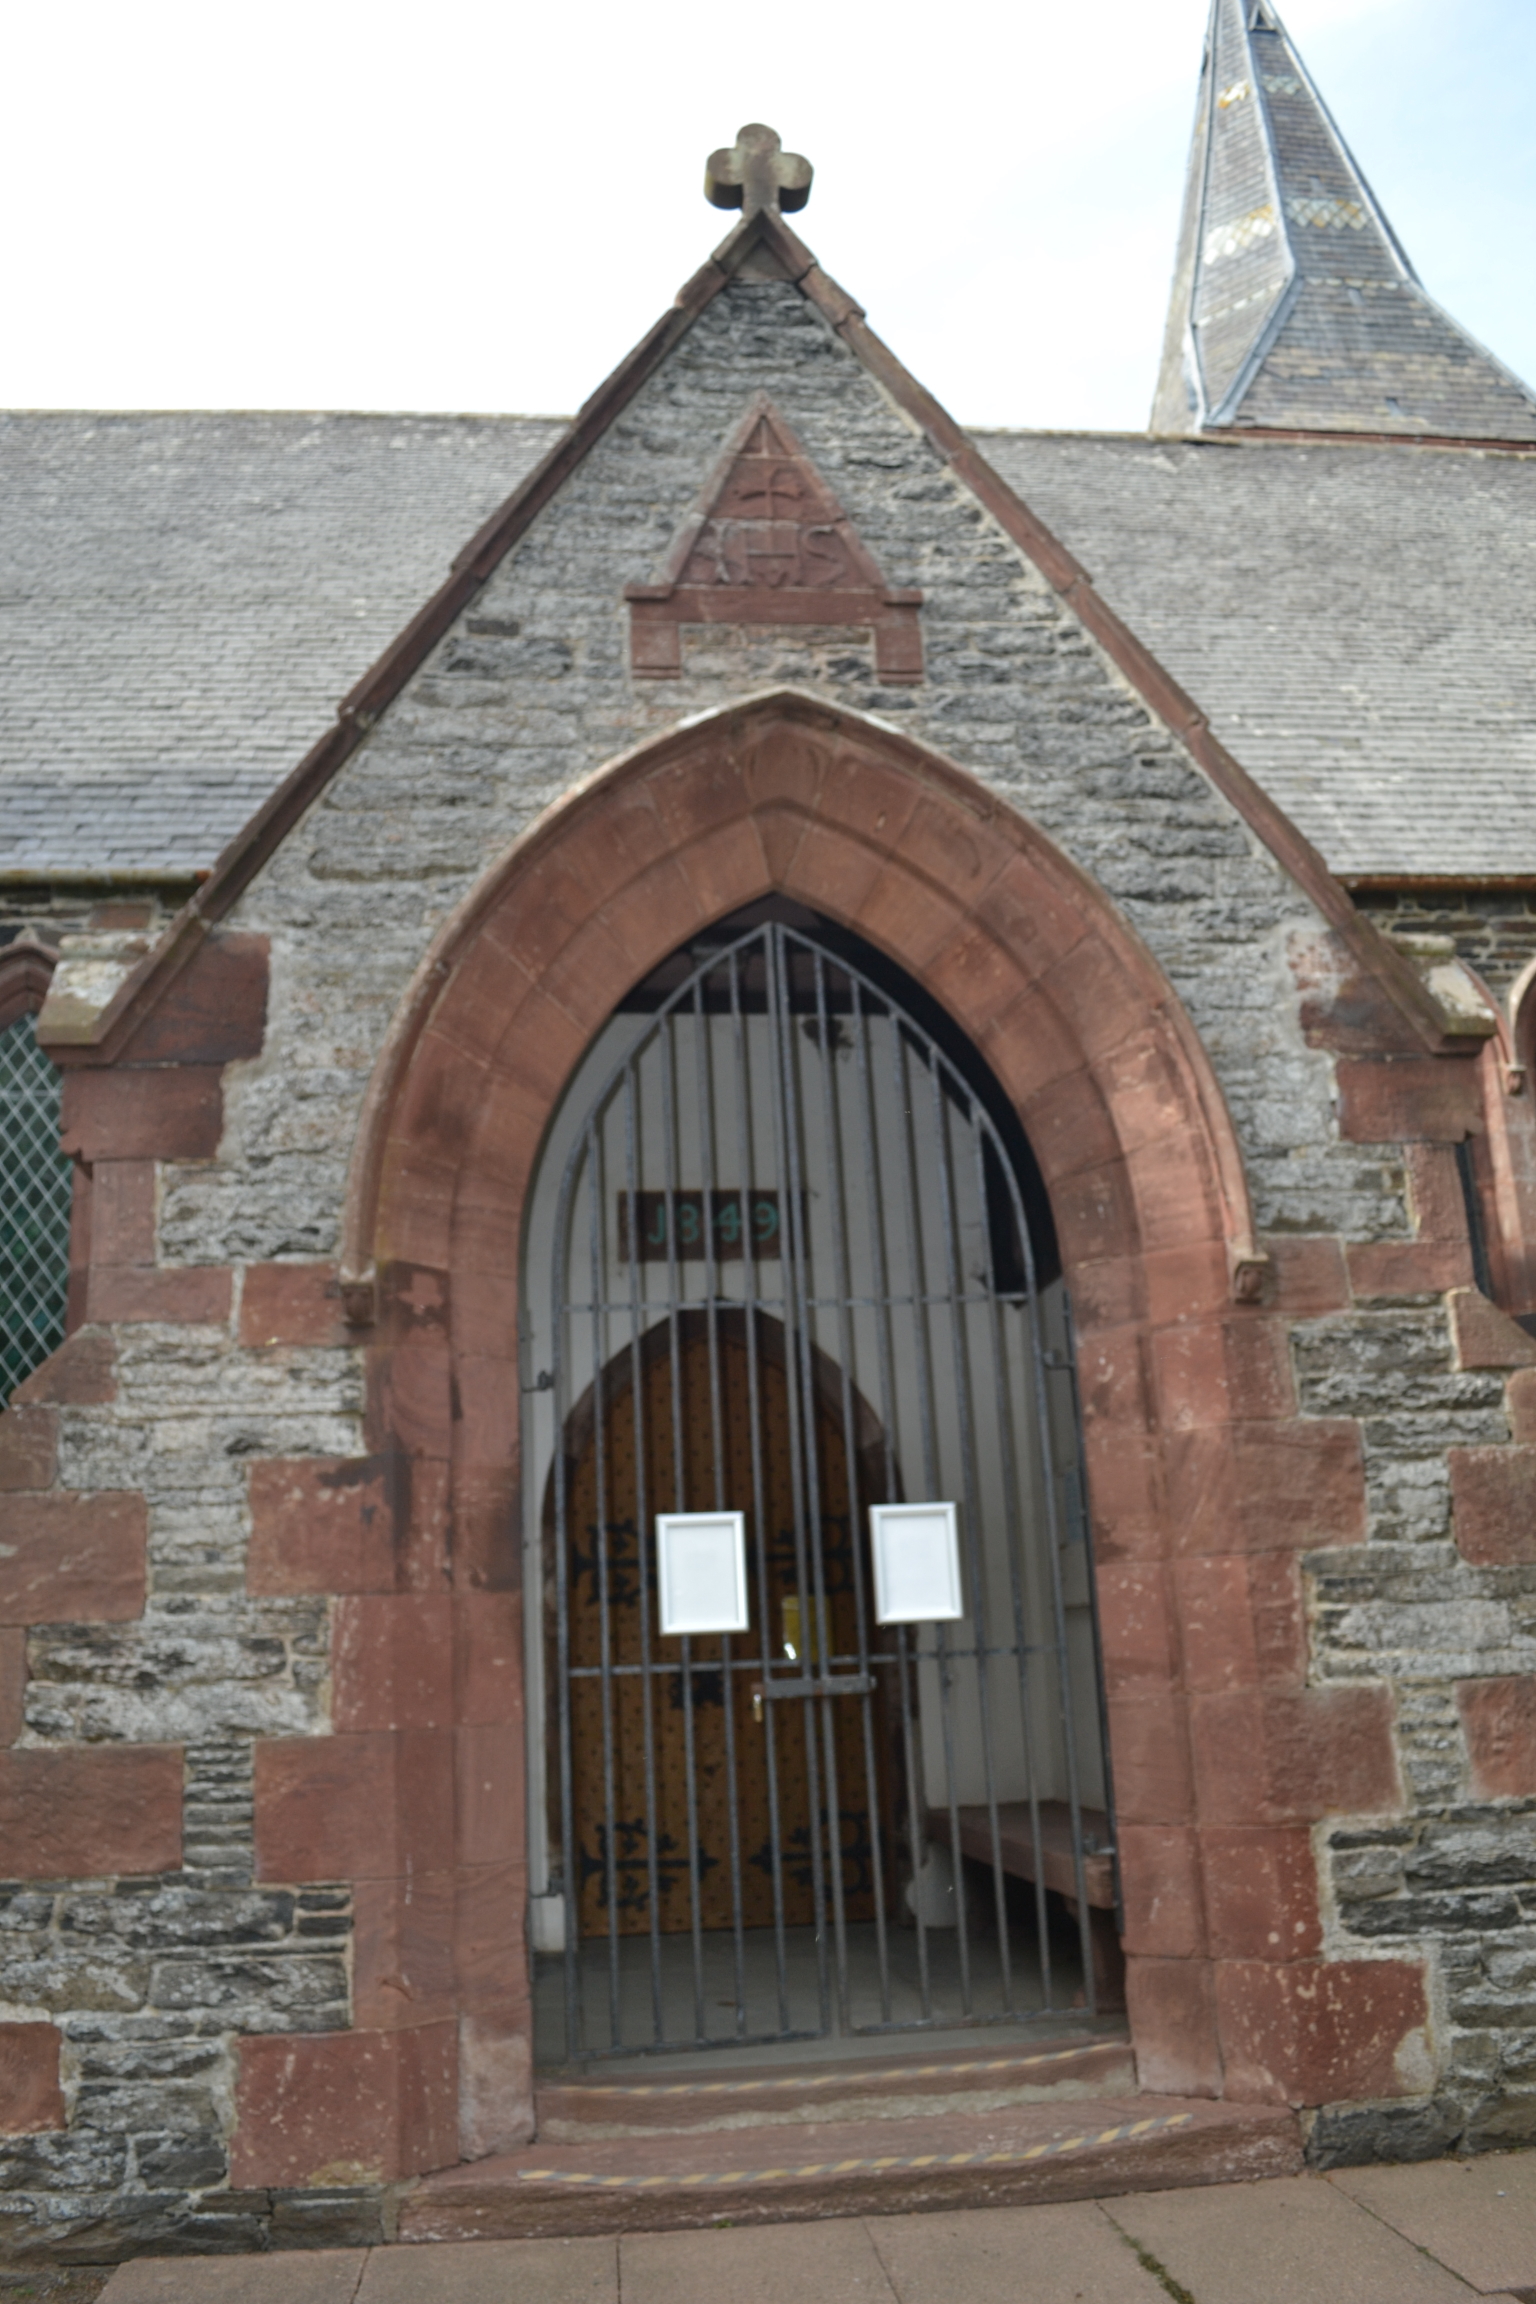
(796, 1277)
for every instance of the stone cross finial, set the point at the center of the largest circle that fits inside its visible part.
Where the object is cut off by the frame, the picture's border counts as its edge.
(754, 173)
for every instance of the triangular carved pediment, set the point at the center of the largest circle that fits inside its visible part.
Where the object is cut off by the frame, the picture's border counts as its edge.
(770, 544)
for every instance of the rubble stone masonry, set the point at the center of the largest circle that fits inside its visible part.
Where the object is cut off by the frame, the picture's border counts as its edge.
(224, 1672)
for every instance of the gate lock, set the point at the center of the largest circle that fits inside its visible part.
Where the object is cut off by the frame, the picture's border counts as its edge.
(835, 1684)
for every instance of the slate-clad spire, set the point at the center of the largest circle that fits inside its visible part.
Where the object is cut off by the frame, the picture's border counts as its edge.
(1293, 305)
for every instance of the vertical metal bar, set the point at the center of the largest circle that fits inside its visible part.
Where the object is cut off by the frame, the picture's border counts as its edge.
(802, 1480)
(1101, 1706)
(574, 2004)
(1014, 1510)
(881, 1288)
(842, 1265)
(704, 1070)
(1058, 1606)
(918, 1262)
(632, 1165)
(604, 1618)
(818, 1642)
(680, 1500)
(971, 1487)
(746, 1169)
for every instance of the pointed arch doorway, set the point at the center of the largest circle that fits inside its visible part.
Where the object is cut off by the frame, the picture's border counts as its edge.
(791, 1259)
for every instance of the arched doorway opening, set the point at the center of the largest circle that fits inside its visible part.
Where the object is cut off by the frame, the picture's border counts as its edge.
(792, 1276)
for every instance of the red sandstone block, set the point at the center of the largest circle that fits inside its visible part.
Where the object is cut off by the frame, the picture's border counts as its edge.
(437, 1107)
(1113, 1383)
(1261, 1894)
(1160, 1877)
(785, 764)
(81, 1374)
(1493, 1504)
(1102, 1001)
(1109, 1293)
(123, 1213)
(488, 1657)
(1520, 1405)
(1030, 1045)
(215, 1011)
(479, 1004)
(1224, 1371)
(1137, 1633)
(71, 1559)
(1243, 1621)
(354, 1807)
(911, 918)
(30, 2096)
(1322, 2032)
(978, 976)
(1125, 1494)
(784, 828)
(640, 914)
(410, 1399)
(486, 1399)
(196, 1297)
(392, 1661)
(590, 974)
(1178, 1202)
(486, 1518)
(1485, 1336)
(1184, 1283)
(1149, 1739)
(1435, 1194)
(359, 2107)
(490, 1957)
(488, 1776)
(1147, 1087)
(496, 2106)
(403, 1951)
(1272, 1758)
(729, 857)
(1498, 1719)
(1069, 1125)
(321, 1525)
(1262, 1487)
(87, 1812)
(29, 1442)
(1407, 1267)
(1408, 1099)
(292, 1304)
(164, 1112)
(1172, 2008)
(1309, 1275)
(13, 1682)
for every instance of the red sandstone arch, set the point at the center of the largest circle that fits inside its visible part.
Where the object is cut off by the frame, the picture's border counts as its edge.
(1205, 1483)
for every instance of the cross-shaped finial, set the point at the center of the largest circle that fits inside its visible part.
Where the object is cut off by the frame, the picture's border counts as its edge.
(754, 173)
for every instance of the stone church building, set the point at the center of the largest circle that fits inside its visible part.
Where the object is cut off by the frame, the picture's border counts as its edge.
(771, 1336)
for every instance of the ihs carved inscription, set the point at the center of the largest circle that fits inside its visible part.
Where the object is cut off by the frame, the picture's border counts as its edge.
(770, 545)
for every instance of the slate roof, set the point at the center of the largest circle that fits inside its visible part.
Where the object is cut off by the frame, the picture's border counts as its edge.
(1294, 305)
(184, 600)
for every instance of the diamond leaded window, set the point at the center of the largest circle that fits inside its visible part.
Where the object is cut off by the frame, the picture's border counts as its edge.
(36, 1187)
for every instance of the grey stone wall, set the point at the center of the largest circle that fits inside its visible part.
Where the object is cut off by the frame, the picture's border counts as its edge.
(152, 1981)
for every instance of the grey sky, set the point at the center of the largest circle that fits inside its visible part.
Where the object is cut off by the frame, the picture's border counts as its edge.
(323, 204)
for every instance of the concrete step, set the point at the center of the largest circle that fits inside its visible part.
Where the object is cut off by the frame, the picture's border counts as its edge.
(1028, 2152)
(899, 2087)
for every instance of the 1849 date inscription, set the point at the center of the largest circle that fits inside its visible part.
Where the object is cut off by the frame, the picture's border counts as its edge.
(656, 1225)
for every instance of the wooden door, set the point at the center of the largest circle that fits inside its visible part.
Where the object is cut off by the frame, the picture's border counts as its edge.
(624, 1768)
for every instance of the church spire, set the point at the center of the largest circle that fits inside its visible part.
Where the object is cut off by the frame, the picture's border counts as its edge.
(1294, 307)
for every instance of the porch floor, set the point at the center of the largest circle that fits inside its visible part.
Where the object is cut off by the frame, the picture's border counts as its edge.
(804, 2021)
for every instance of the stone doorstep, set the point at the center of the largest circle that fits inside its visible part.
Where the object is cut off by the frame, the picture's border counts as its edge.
(1028, 2153)
(901, 2087)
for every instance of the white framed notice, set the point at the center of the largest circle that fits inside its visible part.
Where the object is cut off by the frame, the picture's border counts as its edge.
(916, 1550)
(701, 1571)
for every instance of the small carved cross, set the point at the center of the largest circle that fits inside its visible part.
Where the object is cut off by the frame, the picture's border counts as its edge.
(754, 173)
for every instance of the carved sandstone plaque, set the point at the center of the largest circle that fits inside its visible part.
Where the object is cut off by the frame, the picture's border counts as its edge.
(771, 545)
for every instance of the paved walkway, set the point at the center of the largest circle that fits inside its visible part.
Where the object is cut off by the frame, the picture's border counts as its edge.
(1421, 2235)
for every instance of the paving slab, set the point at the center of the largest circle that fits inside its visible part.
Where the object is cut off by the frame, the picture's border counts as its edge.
(1295, 2241)
(1477, 2216)
(825, 2263)
(1053, 2255)
(494, 2272)
(291, 2276)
